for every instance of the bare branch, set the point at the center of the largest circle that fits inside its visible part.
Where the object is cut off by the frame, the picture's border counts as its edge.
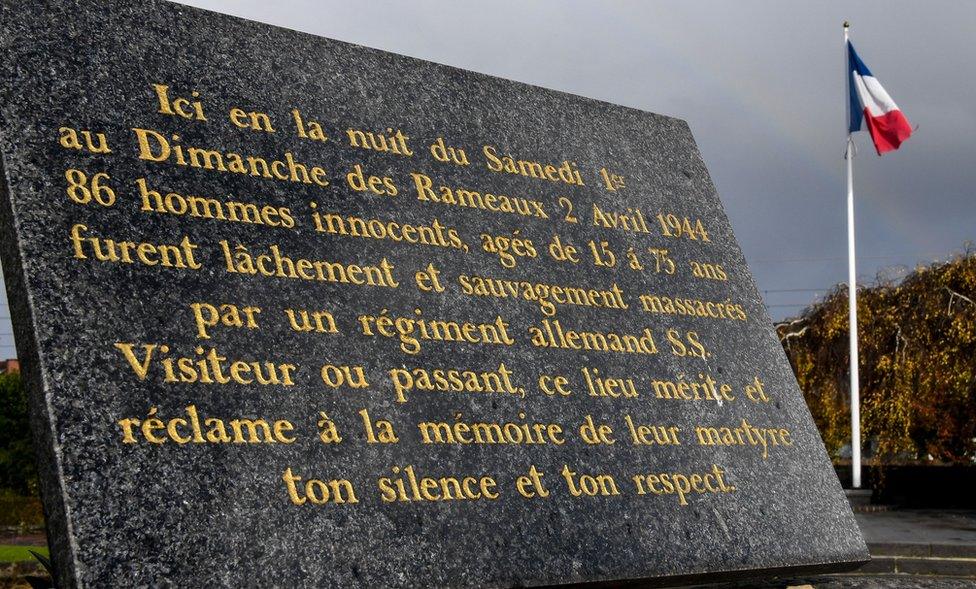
(952, 297)
(789, 323)
(792, 334)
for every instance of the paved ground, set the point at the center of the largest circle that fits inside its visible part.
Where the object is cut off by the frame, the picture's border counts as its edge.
(915, 526)
(925, 540)
(18, 539)
(860, 582)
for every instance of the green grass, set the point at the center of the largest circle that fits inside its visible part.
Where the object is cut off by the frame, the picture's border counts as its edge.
(11, 553)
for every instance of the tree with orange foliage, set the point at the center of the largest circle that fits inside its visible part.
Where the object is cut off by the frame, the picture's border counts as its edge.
(917, 342)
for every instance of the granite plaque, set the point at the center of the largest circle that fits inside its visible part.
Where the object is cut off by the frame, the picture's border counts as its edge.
(295, 312)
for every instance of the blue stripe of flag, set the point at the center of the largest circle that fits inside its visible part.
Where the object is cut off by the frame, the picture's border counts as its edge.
(856, 110)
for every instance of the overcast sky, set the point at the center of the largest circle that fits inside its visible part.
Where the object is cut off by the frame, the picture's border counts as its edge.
(762, 86)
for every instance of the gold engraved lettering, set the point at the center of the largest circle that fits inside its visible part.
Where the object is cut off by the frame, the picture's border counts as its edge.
(683, 485)
(191, 428)
(406, 485)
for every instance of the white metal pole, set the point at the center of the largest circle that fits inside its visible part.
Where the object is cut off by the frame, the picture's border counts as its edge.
(852, 304)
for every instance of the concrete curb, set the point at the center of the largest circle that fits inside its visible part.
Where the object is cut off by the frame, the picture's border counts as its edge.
(921, 565)
(922, 550)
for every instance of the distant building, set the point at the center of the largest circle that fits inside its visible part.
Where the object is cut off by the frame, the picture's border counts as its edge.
(9, 366)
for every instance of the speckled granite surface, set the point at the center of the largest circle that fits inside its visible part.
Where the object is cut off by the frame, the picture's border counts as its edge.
(137, 513)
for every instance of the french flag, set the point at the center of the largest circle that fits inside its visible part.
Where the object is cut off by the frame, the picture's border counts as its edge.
(870, 103)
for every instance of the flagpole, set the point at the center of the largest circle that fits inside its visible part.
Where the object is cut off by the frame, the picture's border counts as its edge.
(852, 296)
